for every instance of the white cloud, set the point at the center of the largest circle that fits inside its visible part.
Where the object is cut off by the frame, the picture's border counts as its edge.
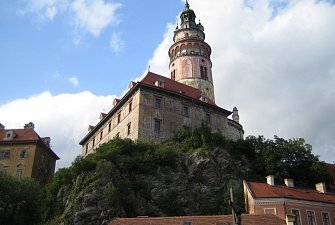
(74, 81)
(94, 15)
(277, 68)
(64, 118)
(116, 43)
(45, 9)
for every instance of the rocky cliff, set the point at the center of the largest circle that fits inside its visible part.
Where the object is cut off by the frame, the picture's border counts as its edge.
(147, 179)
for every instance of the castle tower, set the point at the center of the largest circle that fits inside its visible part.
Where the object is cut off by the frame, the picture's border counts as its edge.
(190, 61)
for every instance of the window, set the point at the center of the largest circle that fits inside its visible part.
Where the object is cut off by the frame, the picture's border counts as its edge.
(117, 135)
(4, 154)
(311, 218)
(93, 144)
(208, 118)
(157, 125)
(8, 135)
(86, 150)
(128, 128)
(101, 134)
(130, 106)
(158, 102)
(325, 218)
(109, 126)
(19, 173)
(119, 118)
(173, 75)
(203, 72)
(23, 154)
(185, 111)
(296, 213)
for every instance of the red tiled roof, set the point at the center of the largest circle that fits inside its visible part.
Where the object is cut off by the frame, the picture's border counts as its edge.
(21, 135)
(173, 85)
(24, 135)
(247, 219)
(264, 190)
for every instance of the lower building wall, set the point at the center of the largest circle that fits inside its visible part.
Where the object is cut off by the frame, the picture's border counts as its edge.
(37, 163)
(281, 210)
(10, 166)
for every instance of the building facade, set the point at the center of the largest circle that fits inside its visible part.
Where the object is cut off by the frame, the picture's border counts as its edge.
(23, 153)
(156, 107)
(308, 206)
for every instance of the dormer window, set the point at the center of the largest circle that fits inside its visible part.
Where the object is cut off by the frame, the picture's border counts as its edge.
(159, 83)
(203, 97)
(10, 135)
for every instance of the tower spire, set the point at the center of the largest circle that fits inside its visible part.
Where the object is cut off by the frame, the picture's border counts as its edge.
(187, 5)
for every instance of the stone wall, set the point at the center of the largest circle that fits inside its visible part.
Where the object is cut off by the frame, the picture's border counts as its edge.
(116, 126)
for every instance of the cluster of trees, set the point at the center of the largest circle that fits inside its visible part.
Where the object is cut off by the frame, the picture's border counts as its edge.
(25, 202)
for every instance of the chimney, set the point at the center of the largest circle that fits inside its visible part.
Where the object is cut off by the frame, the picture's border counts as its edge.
(321, 187)
(290, 219)
(29, 125)
(236, 117)
(270, 180)
(289, 182)
(2, 127)
(46, 141)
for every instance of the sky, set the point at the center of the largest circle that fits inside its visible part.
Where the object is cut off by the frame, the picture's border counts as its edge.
(63, 62)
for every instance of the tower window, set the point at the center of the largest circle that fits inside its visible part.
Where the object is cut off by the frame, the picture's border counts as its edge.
(203, 72)
(173, 75)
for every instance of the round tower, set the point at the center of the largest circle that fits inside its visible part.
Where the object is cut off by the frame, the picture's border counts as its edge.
(190, 61)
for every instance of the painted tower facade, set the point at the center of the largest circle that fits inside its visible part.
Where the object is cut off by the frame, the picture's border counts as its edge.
(190, 61)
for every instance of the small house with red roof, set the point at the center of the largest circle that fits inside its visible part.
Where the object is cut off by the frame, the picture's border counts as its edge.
(23, 153)
(308, 206)
(156, 107)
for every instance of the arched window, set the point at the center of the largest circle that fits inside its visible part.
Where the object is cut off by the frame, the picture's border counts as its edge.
(189, 48)
(177, 51)
(196, 48)
(202, 50)
(183, 49)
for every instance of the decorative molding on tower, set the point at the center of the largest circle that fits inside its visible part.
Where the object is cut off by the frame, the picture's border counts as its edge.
(190, 61)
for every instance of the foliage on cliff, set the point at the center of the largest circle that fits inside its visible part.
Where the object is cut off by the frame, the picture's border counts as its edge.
(190, 175)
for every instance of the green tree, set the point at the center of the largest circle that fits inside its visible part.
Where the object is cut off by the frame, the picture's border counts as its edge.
(291, 158)
(20, 201)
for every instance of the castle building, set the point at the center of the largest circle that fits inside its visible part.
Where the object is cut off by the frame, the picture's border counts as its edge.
(156, 107)
(23, 153)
